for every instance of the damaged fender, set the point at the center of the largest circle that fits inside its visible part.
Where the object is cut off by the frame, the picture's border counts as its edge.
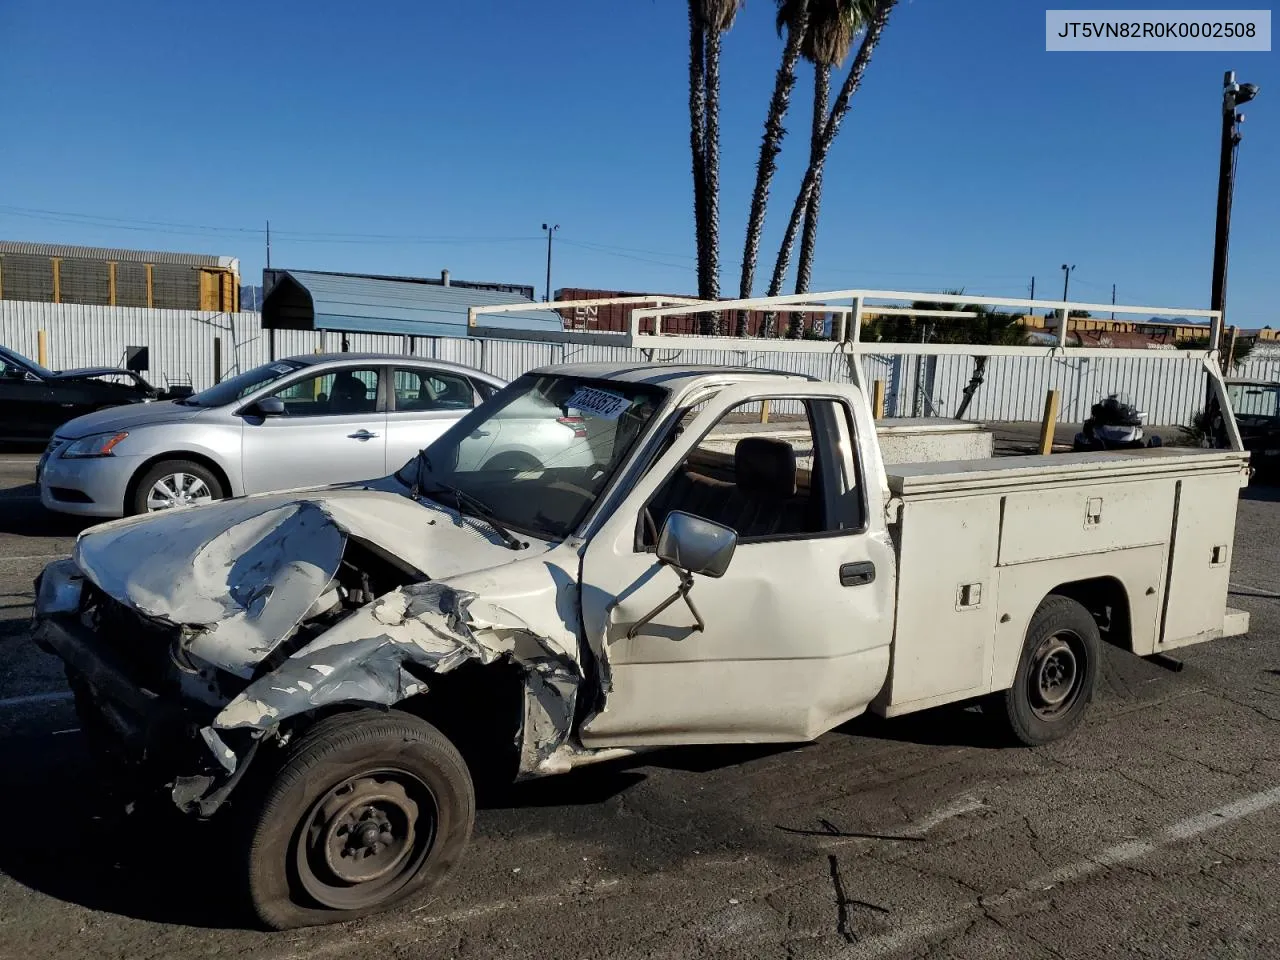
(239, 577)
(381, 653)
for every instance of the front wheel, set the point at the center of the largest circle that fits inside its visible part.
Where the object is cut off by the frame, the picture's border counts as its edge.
(368, 809)
(175, 483)
(1056, 673)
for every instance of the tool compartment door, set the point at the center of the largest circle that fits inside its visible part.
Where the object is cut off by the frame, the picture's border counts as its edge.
(1203, 531)
(946, 600)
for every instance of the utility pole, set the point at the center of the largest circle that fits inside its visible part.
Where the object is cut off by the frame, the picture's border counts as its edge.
(1233, 95)
(550, 233)
(1033, 294)
(1066, 280)
(1113, 300)
(268, 244)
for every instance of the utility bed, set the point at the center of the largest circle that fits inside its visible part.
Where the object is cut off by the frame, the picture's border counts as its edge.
(980, 542)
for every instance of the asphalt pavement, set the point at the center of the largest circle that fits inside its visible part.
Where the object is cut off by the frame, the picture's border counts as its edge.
(1150, 833)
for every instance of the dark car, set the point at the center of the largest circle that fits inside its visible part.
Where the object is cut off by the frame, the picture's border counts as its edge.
(34, 401)
(1256, 404)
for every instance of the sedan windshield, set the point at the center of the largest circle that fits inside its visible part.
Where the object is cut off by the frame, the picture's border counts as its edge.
(21, 364)
(537, 455)
(241, 385)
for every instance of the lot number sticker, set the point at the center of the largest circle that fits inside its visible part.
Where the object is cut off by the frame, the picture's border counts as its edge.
(598, 403)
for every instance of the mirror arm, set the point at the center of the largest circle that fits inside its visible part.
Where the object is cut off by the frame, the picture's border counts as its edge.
(686, 584)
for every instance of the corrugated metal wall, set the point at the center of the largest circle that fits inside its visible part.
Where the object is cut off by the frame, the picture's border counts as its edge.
(181, 343)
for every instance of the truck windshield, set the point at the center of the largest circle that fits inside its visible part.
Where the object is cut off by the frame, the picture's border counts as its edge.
(537, 454)
(1255, 402)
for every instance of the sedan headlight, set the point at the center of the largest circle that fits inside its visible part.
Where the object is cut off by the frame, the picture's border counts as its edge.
(97, 445)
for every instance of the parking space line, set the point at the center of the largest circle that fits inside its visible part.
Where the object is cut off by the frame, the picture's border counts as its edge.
(921, 928)
(1260, 592)
(38, 556)
(27, 700)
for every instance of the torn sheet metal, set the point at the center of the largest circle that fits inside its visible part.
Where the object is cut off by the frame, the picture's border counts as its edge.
(240, 574)
(379, 654)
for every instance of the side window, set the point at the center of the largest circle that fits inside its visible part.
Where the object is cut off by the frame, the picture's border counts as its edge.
(332, 394)
(769, 480)
(433, 390)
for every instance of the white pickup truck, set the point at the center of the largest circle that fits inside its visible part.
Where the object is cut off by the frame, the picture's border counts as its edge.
(345, 661)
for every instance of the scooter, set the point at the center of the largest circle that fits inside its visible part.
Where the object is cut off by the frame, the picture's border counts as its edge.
(1113, 425)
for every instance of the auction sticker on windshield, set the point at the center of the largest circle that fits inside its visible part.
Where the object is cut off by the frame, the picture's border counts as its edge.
(598, 403)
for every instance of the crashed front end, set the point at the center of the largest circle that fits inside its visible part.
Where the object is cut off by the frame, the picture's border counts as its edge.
(194, 639)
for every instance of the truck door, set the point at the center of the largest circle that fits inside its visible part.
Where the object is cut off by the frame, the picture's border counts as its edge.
(799, 627)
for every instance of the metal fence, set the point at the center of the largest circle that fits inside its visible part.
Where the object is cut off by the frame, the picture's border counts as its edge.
(181, 346)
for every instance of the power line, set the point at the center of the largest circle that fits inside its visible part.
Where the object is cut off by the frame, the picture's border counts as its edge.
(192, 229)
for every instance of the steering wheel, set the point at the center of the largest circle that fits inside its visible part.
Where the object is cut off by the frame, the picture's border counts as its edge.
(583, 492)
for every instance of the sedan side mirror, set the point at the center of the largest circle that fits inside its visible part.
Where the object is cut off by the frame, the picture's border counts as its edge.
(268, 407)
(690, 545)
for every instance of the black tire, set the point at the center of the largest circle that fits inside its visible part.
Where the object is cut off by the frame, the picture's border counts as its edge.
(1056, 675)
(167, 468)
(513, 461)
(397, 778)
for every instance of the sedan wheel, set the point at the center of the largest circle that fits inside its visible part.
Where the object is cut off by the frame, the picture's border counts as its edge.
(177, 490)
(174, 483)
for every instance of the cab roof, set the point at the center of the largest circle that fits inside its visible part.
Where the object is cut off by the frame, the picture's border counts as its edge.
(671, 376)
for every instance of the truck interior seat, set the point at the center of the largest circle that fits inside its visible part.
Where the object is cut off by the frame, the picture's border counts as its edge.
(761, 501)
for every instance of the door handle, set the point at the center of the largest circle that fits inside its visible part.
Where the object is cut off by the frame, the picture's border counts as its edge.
(479, 433)
(857, 574)
(362, 435)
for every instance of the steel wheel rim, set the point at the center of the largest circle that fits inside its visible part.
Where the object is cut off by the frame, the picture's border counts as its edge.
(1056, 676)
(365, 838)
(177, 490)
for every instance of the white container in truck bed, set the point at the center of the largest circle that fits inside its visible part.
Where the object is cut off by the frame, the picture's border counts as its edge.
(1145, 534)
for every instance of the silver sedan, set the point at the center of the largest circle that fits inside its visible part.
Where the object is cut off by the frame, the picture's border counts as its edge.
(300, 422)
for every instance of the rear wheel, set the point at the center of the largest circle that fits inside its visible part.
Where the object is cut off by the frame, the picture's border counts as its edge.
(367, 810)
(175, 483)
(1056, 673)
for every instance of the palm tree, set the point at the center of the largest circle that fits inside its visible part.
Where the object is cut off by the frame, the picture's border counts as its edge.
(793, 17)
(875, 27)
(708, 22)
(833, 24)
(698, 135)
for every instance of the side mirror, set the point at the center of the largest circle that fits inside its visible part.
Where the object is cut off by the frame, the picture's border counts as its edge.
(690, 545)
(268, 407)
(696, 545)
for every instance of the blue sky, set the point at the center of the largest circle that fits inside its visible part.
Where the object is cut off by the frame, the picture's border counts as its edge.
(972, 158)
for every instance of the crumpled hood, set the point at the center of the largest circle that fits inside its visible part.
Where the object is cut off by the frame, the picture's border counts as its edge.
(240, 574)
(127, 417)
(79, 373)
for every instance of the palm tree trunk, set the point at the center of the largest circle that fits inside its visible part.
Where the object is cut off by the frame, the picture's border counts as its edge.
(979, 369)
(809, 235)
(767, 164)
(711, 228)
(697, 136)
(872, 37)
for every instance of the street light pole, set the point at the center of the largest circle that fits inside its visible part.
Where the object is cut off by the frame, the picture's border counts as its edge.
(551, 229)
(1233, 95)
